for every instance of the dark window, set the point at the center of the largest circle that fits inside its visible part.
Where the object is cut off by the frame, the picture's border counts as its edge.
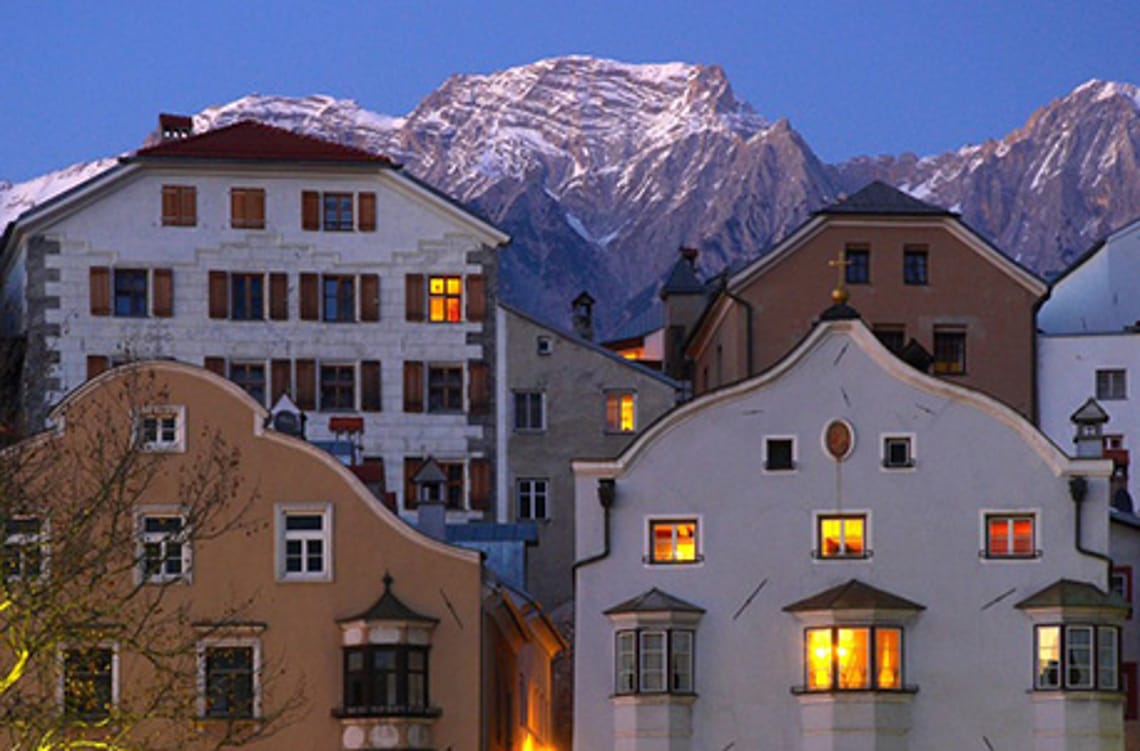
(130, 293)
(386, 680)
(453, 490)
(247, 293)
(337, 212)
(251, 377)
(858, 265)
(1077, 657)
(914, 266)
(528, 411)
(229, 682)
(780, 454)
(88, 683)
(893, 336)
(338, 387)
(339, 298)
(532, 497)
(164, 548)
(949, 351)
(896, 452)
(654, 661)
(445, 388)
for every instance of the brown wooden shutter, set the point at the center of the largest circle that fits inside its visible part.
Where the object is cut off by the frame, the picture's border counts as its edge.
(97, 364)
(216, 365)
(366, 211)
(306, 384)
(369, 297)
(412, 465)
(310, 210)
(370, 386)
(480, 484)
(169, 205)
(219, 294)
(256, 208)
(310, 297)
(413, 386)
(188, 209)
(238, 208)
(279, 297)
(280, 379)
(163, 293)
(476, 298)
(414, 297)
(479, 387)
(100, 291)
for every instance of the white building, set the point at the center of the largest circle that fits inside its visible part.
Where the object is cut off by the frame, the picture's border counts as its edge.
(844, 554)
(294, 267)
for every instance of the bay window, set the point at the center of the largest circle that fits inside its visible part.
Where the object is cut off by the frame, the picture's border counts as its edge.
(853, 658)
(1076, 656)
(654, 661)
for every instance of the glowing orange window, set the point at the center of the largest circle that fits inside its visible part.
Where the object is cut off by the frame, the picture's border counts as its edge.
(445, 299)
(673, 541)
(853, 659)
(621, 412)
(1010, 536)
(842, 536)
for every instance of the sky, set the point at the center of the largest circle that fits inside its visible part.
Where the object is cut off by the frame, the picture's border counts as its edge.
(84, 80)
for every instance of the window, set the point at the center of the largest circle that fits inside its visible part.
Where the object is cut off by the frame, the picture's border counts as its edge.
(305, 544)
(545, 345)
(25, 548)
(621, 412)
(779, 454)
(858, 265)
(247, 297)
(532, 498)
(445, 297)
(898, 452)
(1120, 583)
(161, 429)
(1077, 657)
(1111, 384)
(892, 335)
(528, 411)
(445, 388)
(251, 377)
(89, 683)
(949, 351)
(337, 212)
(386, 680)
(841, 536)
(179, 205)
(229, 680)
(130, 293)
(247, 208)
(859, 658)
(1010, 536)
(914, 265)
(164, 547)
(654, 661)
(338, 387)
(339, 298)
(673, 541)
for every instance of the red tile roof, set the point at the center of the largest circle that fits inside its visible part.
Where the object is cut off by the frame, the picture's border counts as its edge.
(250, 140)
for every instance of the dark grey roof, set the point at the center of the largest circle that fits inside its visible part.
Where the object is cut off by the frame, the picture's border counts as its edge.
(879, 198)
(429, 471)
(682, 280)
(654, 601)
(1066, 593)
(854, 595)
(645, 323)
(840, 311)
(1090, 411)
(389, 608)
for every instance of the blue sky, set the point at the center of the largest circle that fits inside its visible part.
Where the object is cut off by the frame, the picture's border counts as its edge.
(87, 79)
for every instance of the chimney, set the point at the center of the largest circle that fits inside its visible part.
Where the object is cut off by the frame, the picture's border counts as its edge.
(690, 255)
(583, 316)
(175, 127)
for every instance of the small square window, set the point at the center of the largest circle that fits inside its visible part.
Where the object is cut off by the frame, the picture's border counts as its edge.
(898, 452)
(529, 413)
(229, 679)
(533, 498)
(841, 536)
(949, 350)
(673, 541)
(1111, 384)
(779, 454)
(858, 265)
(161, 429)
(445, 299)
(164, 553)
(915, 265)
(621, 412)
(304, 543)
(545, 345)
(1011, 536)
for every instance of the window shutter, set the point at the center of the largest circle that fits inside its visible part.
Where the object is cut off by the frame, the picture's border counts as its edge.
(163, 293)
(255, 206)
(413, 386)
(310, 210)
(281, 379)
(480, 484)
(476, 297)
(169, 204)
(216, 365)
(238, 208)
(306, 384)
(370, 386)
(369, 297)
(219, 289)
(414, 297)
(97, 364)
(310, 297)
(100, 291)
(479, 387)
(188, 210)
(366, 210)
(411, 466)
(279, 297)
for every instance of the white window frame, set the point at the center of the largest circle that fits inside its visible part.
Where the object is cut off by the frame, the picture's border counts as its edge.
(795, 455)
(817, 537)
(648, 523)
(529, 394)
(884, 454)
(1115, 382)
(532, 493)
(161, 538)
(984, 516)
(282, 536)
(1096, 666)
(631, 643)
(61, 659)
(228, 642)
(21, 541)
(176, 444)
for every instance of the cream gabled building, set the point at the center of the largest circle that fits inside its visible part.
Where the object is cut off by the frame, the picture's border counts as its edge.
(845, 554)
(290, 265)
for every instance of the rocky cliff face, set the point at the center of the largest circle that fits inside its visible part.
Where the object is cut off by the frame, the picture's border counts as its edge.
(599, 170)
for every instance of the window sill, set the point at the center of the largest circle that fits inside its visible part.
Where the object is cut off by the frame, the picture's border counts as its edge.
(661, 697)
(652, 562)
(855, 693)
(348, 713)
(898, 467)
(1076, 694)
(986, 556)
(817, 556)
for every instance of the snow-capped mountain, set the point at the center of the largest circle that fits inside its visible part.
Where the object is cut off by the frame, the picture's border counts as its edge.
(599, 170)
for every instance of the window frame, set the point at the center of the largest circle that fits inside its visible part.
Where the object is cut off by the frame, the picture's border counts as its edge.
(446, 396)
(1111, 384)
(183, 538)
(872, 667)
(614, 408)
(533, 400)
(911, 268)
(252, 295)
(652, 523)
(342, 217)
(137, 300)
(953, 337)
(1063, 667)
(240, 373)
(336, 391)
(203, 700)
(283, 536)
(857, 257)
(179, 194)
(449, 302)
(402, 672)
(889, 331)
(1124, 574)
(527, 492)
(159, 444)
(843, 517)
(17, 544)
(62, 687)
(766, 466)
(669, 667)
(340, 305)
(885, 442)
(1010, 517)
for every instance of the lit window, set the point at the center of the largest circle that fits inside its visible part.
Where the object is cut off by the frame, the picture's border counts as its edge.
(949, 351)
(251, 378)
(339, 298)
(914, 265)
(386, 680)
(304, 546)
(858, 265)
(621, 412)
(130, 293)
(532, 498)
(779, 454)
(165, 549)
(673, 541)
(25, 548)
(445, 388)
(1111, 384)
(445, 298)
(337, 212)
(89, 683)
(161, 429)
(654, 661)
(229, 677)
(1010, 536)
(842, 536)
(853, 658)
(1077, 657)
(529, 415)
(897, 452)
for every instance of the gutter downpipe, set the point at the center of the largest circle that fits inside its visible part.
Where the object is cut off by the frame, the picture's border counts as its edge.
(1078, 489)
(606, 494)
(747, 327)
